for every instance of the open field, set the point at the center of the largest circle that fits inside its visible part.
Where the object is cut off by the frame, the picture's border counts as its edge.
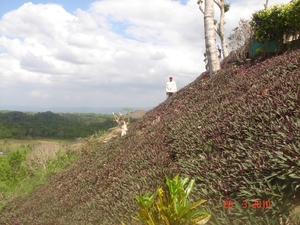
(13, 144)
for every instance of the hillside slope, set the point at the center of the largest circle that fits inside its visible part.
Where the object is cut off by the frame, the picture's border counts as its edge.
(229, 133)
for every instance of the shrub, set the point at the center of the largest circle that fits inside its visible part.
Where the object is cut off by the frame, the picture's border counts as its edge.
(39, 155)
(279, 22)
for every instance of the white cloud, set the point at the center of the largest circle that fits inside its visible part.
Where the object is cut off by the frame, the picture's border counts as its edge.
(118, 53)
(158, 56)
(38, 94)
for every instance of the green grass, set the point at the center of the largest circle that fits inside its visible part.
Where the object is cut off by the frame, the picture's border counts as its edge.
(41, 158)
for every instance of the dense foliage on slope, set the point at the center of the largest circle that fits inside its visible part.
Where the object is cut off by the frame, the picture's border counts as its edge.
(278, 22)
(52, 125)
(237, 135)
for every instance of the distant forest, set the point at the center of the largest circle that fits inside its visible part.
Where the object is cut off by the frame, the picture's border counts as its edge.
(21, 125)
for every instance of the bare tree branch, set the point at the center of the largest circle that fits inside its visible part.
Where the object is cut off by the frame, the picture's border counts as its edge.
(266, 5)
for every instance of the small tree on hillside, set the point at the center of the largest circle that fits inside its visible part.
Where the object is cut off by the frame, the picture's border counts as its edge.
(240, 39)
(123, 121)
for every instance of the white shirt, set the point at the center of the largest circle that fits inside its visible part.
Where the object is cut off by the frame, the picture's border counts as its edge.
(171, 86)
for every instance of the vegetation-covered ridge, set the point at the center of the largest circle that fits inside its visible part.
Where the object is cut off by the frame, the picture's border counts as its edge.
(18, 125)
(237, 135)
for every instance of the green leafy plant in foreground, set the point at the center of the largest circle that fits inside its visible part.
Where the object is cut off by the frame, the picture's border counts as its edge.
(171, 206)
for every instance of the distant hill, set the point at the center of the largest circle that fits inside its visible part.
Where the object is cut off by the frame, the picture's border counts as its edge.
(237, 134)
(102, 110)
(137, 114)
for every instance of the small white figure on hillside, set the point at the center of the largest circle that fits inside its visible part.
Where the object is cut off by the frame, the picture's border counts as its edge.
(171, 87)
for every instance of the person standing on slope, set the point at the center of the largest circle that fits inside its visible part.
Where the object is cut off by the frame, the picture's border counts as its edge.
(218, 46)
(171, 87)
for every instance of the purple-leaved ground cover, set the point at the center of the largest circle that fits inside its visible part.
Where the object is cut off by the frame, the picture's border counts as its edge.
(237, 134)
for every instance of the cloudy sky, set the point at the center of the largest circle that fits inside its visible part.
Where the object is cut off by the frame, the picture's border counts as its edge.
(102, 53)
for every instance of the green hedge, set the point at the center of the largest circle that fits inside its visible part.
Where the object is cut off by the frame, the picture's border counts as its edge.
(277, 22)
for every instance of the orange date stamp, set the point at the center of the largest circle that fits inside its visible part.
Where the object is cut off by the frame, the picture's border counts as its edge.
(254, 204)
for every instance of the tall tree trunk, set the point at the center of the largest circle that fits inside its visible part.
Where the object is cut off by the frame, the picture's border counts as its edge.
(220, 29)
(210, 38)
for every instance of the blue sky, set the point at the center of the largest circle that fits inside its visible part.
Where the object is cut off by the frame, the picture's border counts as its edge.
(107, 53)
(70, 6)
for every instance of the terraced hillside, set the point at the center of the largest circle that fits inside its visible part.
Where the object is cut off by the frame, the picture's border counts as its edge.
(237, 134)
